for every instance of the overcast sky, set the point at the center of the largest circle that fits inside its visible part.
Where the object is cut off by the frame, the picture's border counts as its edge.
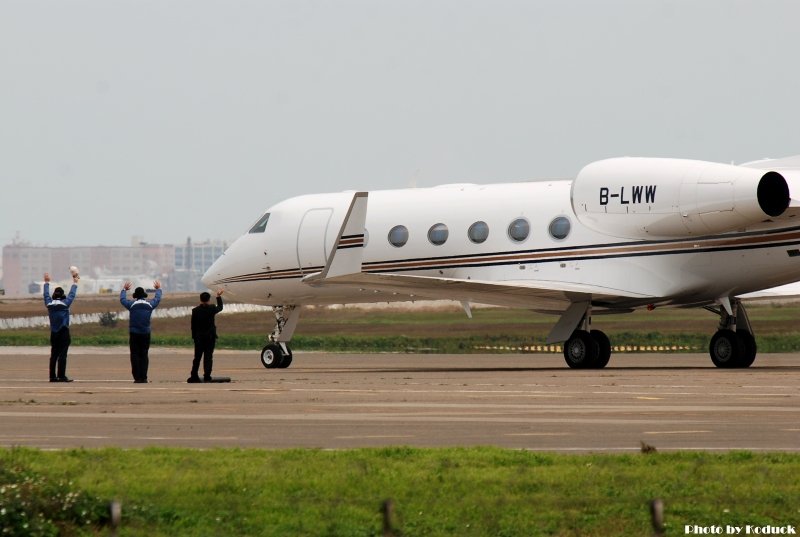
(168, 119)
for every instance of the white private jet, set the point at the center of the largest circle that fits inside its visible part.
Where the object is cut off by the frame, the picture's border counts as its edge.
(626, 233)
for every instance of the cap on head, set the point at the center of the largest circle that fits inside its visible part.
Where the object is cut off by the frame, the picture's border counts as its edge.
(205, 297)
(58, 293)
(139, 293)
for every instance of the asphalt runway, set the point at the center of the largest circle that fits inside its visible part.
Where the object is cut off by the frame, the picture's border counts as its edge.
(335, 401)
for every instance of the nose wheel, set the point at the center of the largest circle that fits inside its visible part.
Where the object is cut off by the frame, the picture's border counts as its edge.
(274, 357)
(276, 354)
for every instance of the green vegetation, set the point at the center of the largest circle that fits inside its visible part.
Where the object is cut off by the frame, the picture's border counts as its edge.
(478, 491)
(490, 343)
(445, 330)
(32, 504)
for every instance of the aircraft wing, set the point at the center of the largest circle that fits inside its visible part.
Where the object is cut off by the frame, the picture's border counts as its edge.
(789, 291)
(532, 294)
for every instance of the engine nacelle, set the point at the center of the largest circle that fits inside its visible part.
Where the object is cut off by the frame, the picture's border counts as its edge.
(652, 198)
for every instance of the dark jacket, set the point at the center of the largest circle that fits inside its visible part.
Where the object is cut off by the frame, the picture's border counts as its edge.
(203, 320)
(58, 310)
(141, 310)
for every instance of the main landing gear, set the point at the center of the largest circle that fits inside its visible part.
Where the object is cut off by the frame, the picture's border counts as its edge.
(587, 348)
(733, 346)
(276, 353)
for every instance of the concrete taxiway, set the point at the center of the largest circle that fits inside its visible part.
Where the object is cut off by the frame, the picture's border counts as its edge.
(346, 401)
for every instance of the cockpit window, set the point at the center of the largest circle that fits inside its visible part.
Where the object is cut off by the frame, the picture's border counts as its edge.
(261, 225)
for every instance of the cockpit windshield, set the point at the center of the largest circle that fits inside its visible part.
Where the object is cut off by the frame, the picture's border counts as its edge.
(261, 225)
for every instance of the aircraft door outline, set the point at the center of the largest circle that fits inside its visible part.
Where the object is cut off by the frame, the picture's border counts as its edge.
(312, 248)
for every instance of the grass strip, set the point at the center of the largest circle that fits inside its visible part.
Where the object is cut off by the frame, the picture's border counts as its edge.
(497, 343)
(442, 330)
(458, 491)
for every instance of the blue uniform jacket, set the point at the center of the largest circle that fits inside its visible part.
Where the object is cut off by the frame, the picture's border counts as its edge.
(141, 310)
(58, 310)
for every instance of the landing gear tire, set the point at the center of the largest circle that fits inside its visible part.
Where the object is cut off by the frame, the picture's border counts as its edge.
(604, 349)
(287, 358)
(727, 349)
(750, 348)
(272, 356)
(581, 350)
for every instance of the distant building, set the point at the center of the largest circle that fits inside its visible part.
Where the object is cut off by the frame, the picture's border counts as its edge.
(191, 262)
(104, 268)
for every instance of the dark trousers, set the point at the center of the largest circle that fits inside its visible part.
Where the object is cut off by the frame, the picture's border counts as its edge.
(140, 346)
(203, 348)
(59, 345)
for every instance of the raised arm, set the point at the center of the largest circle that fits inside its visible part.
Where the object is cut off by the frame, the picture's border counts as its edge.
(72, 292)
(47, 298)
(123, 296)
(156, 299)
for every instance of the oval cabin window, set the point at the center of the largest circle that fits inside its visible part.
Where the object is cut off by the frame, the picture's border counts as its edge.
(519, 229)
(437, 234)
(560, 227)
(398, 236)
(478, 232)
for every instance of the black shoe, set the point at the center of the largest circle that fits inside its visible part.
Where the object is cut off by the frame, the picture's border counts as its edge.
(208, 379)
(63, 379)
(53, 379)
(193, 380)
(140, 381)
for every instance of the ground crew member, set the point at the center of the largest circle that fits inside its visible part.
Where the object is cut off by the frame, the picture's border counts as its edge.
(204, 334)
(139, 327)
(58, 312)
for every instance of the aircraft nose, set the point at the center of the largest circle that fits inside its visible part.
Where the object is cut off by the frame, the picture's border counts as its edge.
(214, 273)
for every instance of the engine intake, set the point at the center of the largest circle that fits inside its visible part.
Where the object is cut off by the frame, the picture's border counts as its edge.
(773, 194)
(670, 198)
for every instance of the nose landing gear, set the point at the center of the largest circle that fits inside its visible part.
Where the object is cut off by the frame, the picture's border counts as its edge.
(276, 353)
(273, 356)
